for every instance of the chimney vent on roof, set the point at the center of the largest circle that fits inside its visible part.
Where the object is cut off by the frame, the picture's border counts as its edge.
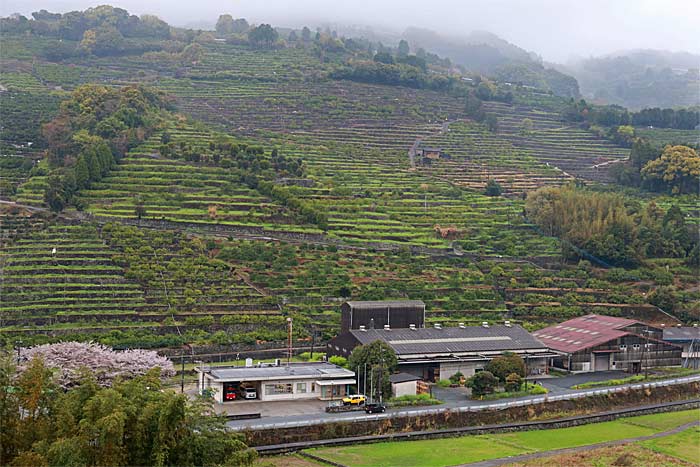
(485, 324)
(387, 327)
(461, 325)
(437, 326)
(412, 327)
(507, 323)
(363, 328)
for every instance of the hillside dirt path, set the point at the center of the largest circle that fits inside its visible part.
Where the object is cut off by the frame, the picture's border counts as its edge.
(538, 455)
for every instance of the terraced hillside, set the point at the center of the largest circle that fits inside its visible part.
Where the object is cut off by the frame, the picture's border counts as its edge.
(179, 246)
(547, 139)
(121, 285)
(472, 155)
(64, 277)
(287, 91)
(366, 201)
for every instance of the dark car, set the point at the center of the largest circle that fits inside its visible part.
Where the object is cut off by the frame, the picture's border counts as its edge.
(375, 408)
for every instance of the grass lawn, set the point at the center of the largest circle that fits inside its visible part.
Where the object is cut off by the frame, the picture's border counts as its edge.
(575, 436)
(465, 449)
(428, 453)
(684, 445)
(630, 455)
(665, 421)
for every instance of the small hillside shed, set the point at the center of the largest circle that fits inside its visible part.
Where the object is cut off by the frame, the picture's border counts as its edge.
(430, 153)
(438, 353)
(377, 314)
(601, 343)
(689, 339)
(404, 384)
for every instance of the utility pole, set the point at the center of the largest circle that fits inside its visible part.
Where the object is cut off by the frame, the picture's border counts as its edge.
(313, 341)
(644, 352)
(289, 341)
(381, 372)
(182, 362)
(364, 376)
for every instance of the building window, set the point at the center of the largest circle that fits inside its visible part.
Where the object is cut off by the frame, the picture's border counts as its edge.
(313, 387)
(273, 389)
(301, 387)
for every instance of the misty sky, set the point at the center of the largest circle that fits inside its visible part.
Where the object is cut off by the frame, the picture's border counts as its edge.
(556, 30)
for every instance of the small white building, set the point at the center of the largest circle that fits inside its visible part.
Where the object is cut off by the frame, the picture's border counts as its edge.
(404, 384)
(314, 380)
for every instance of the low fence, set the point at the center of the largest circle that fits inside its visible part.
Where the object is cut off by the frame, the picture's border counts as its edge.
(473, 408)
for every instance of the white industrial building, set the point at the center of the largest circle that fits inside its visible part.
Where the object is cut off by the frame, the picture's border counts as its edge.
(314, 380)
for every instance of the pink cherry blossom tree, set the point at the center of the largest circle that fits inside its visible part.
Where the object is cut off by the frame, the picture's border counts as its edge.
(70, 359)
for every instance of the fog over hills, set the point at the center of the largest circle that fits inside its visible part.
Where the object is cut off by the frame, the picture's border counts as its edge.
(584, 29)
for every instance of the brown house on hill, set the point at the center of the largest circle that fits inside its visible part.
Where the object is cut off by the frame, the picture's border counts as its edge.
(430, 153)
(601, 343)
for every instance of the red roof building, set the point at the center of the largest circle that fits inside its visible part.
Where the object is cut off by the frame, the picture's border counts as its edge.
(600, 343)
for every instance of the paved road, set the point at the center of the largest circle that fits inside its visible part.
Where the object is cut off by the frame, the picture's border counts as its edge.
(564, 384)
(461, 404)
(556, 452)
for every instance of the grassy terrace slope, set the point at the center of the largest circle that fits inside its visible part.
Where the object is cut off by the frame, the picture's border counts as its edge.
(76, 284)
(121, 286)
(554, 143)
(476, 155)
(285, 91)
(367, 200)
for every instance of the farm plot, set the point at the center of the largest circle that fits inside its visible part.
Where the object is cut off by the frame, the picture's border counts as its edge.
(369, 196)
(21, 143)
(366, 198)
(471, 155)
(663, 136)
(556, 144)
(311, 280)
(127, 287)
(540, 295)
(63, 277)
(178, 191)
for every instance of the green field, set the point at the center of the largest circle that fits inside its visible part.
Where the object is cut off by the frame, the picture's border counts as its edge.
(684, 445)
(466, 449)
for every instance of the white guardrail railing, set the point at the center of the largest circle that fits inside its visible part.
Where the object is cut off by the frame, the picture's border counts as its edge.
(474, 407)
